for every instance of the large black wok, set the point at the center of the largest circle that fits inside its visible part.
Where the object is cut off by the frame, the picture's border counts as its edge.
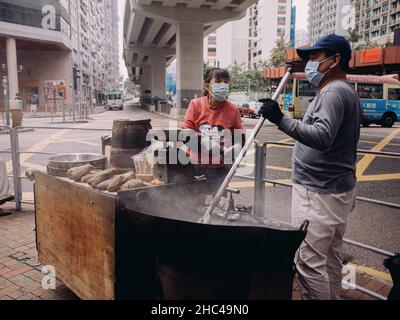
(183, 259)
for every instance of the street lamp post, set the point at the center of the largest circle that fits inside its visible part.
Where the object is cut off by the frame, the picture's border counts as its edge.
(73, 100)
(5, 88)
(54, 101)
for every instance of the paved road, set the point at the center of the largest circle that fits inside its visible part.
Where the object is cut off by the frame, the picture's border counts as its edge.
(379, 177)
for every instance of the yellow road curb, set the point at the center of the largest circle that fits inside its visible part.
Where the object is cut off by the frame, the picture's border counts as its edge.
(372, 272)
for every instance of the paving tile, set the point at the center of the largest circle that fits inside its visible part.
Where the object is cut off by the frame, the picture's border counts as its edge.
(4, 283)
(5, 291)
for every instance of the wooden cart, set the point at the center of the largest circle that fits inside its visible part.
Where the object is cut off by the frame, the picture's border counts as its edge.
(75, 233)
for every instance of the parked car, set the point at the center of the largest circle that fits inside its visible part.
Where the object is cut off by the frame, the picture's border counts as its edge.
(250, 109)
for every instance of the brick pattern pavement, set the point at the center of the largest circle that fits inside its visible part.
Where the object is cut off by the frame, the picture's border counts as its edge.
(21, 276)
(20, 271)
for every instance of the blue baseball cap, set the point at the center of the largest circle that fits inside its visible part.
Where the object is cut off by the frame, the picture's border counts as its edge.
(332, 42)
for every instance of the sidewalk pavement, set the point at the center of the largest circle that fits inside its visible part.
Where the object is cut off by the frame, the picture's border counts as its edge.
(21, 276)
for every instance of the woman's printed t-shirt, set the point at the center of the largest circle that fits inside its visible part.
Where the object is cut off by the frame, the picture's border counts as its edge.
(210, 122)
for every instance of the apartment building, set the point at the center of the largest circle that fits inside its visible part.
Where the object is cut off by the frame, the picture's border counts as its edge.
(228, 45)
(326, 17)
(35, 49)
(248, 42)
(210, 50)
(269, 21)
(376, 20)
(113, 80)
(43, 42)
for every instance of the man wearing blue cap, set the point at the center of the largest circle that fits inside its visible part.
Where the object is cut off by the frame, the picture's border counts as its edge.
(324, 164)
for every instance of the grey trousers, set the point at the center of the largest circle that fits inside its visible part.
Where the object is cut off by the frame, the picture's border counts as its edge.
(318, 263)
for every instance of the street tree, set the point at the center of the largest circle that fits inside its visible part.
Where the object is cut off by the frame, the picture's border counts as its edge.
(368, 44)
(353, 37)
(277, 57)
(129, 87)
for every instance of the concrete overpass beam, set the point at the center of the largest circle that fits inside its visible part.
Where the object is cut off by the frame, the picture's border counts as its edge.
(178, 14)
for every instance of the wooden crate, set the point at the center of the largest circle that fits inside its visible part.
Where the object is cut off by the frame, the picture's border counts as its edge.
(75, 232)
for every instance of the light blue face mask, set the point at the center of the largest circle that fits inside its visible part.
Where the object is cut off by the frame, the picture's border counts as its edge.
(313, 75)
(220, 91)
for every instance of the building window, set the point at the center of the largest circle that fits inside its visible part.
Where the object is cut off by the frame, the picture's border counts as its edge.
(281, 21)
(282, 9)
(212, 52)
(65, 27)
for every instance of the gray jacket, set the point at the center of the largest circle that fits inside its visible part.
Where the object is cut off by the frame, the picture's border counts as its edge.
(324, 158)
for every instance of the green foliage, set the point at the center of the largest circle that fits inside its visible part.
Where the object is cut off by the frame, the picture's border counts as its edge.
(368, 44)
(244, 81)
(277, 58)
(129, 87)
(353, 37)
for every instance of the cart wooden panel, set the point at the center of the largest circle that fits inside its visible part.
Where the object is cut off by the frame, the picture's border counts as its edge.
(75, 232)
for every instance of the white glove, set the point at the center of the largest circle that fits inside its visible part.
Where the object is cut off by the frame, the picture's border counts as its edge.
(210, 145)
(233, 151)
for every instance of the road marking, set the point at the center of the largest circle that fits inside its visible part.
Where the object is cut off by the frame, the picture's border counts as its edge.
(375, 136)
(380, 156)
(77, 141)
(366, 161)
(33, 166)
(372, 272)
(252, 165)
(375, 142)
(37, 147)
(250, 184)
(379, 177)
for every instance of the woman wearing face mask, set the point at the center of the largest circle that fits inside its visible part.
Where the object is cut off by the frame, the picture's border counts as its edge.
(218, 125)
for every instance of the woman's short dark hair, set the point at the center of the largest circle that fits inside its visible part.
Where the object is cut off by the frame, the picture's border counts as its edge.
(217, 74)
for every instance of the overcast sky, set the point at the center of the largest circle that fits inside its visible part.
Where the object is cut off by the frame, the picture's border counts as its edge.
(302, 13)
(301, 23)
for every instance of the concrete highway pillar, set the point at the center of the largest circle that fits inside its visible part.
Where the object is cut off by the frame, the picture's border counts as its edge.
(12, 67)
(158, 76)
(189, 64)
(146, 82)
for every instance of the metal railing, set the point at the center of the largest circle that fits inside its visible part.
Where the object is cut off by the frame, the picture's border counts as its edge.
(260, 178)
(15, 155)
(259, 197)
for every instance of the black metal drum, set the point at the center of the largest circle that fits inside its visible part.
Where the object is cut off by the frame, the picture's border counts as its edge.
(245, 259)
